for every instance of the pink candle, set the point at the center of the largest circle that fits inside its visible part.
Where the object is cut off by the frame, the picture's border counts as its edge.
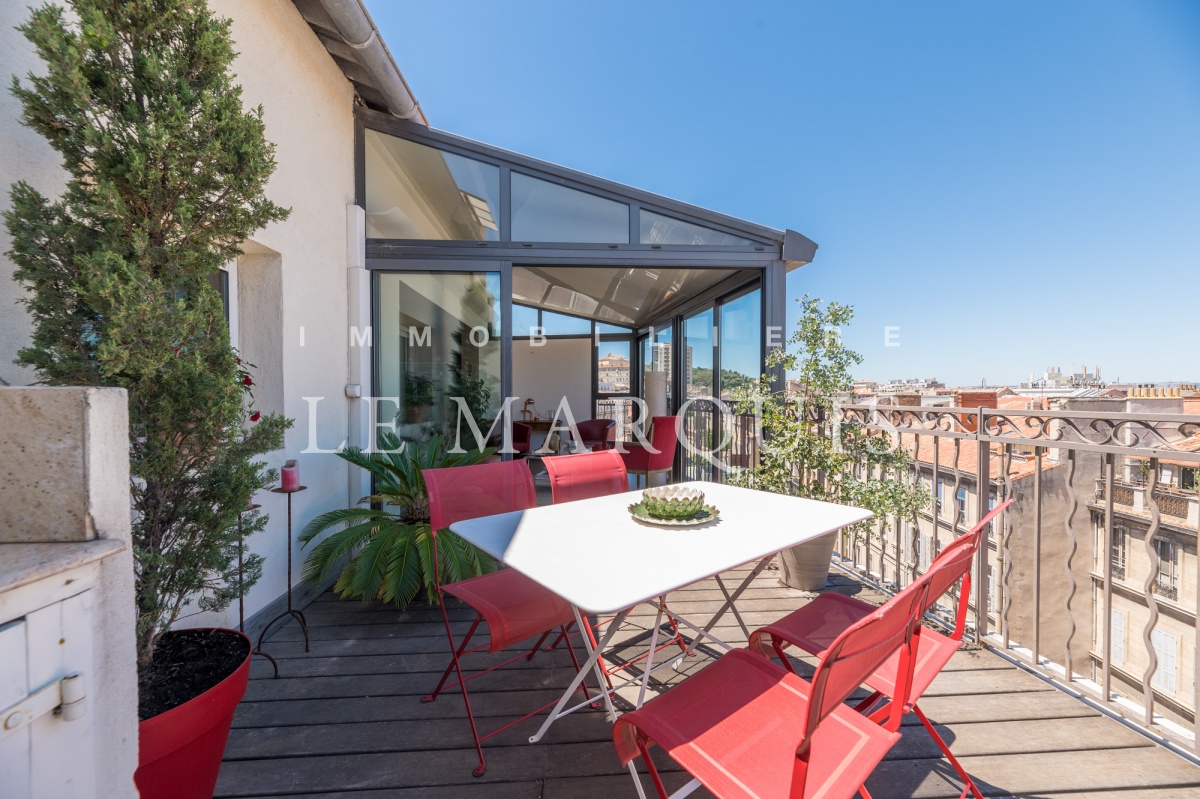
(290, 476)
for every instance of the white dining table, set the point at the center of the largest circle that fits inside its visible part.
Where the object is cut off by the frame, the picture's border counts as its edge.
(601, 560)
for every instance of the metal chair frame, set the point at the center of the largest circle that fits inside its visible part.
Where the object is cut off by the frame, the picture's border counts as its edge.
(440, 520)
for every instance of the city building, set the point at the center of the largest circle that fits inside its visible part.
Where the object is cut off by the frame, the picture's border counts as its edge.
(1159, 496)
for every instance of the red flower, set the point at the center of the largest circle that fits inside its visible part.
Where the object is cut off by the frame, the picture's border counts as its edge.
(239, 360)
(247, 380)
(256, 416)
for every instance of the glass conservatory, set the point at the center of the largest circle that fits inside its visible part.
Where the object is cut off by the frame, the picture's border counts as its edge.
(495, 275)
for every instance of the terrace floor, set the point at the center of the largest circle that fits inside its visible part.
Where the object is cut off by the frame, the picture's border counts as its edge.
(344, 720)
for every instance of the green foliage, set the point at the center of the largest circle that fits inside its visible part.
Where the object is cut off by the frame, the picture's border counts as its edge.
(165, 178)
(388, 542)
(805, 453)
(730, 379)
(418, 389)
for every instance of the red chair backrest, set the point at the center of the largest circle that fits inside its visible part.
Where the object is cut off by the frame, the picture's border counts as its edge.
(663, 438)
(953, 564)
(586, 475)
(522, 433)
(859, 651)
(468, 492)
(596, 429)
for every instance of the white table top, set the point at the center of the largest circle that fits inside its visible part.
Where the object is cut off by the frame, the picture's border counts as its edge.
(596, 556)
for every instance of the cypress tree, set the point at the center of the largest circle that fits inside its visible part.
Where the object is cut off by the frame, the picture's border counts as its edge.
(166, 173)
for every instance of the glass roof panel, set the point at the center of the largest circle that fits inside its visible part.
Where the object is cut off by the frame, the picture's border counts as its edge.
(420, 192)
(544, 211)
(659, 229)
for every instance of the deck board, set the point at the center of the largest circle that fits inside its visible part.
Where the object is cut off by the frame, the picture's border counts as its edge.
(344, 720)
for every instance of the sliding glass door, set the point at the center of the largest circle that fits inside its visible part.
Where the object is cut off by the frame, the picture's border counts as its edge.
(438, 349)
(699, 360)
(721, 350)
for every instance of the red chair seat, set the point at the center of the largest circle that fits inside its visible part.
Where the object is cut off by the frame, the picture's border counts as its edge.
(815, 626)
(736, 724)
(515, 607)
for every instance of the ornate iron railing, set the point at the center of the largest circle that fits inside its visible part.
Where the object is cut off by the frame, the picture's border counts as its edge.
(1173, 504)
(1018, 453)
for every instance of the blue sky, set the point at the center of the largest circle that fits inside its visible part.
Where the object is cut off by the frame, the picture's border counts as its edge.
(1013, 185)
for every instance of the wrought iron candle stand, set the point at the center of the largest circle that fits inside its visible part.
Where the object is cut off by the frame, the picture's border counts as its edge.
(291, 611)
(242, 589)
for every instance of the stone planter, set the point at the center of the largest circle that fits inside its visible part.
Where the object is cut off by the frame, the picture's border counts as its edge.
(806, 566)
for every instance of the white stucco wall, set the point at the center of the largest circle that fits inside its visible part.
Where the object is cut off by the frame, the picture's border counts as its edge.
(308, 111)
(560, 368)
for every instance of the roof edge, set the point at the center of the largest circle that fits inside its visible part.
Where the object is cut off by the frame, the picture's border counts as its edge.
(358, 31)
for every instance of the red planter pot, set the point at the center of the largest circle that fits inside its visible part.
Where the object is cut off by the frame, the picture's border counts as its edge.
(180, 751)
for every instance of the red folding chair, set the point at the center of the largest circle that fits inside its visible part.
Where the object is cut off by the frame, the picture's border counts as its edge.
(597, 474)
(746, 728)
(814, 627)
(514, 607)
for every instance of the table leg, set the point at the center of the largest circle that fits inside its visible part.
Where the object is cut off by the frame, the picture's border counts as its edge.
(732, 607)
(590, 663)
(762, 564)
(641, 700)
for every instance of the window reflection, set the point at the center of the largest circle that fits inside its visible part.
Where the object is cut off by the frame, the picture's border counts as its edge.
(543, 211)
(420, 192)
(438, 338)
(659, 229)
(741, 342)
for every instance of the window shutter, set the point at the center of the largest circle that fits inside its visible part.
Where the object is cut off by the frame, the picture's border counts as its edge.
(1118, 638)
(1164, 648)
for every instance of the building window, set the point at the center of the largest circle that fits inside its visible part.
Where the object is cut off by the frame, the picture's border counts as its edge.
(219, 280)
(962, 504)
(991, 586)
(991, 527)
(1118, 552)
(924, 552)
(1168, 572)
(1187, 479)
(1117, 645)
(1164, 649)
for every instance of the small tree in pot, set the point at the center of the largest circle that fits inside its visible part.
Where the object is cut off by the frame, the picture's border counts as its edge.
(805, 453)
(165, 177)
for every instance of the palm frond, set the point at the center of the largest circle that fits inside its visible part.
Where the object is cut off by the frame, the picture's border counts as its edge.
(390, 549)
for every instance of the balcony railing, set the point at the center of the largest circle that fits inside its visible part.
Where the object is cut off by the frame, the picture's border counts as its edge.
(1180, 506)
(1167, 589)
(1019, 453)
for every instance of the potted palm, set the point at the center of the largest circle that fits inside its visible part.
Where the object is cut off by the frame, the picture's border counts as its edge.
(165, 176)
(383, 548)
(805, 454)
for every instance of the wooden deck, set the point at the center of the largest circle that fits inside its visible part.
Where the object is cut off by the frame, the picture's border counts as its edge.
(344, 721)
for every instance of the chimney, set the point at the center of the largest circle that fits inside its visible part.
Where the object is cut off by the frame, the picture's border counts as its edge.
(907, 400)
(973, 399)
